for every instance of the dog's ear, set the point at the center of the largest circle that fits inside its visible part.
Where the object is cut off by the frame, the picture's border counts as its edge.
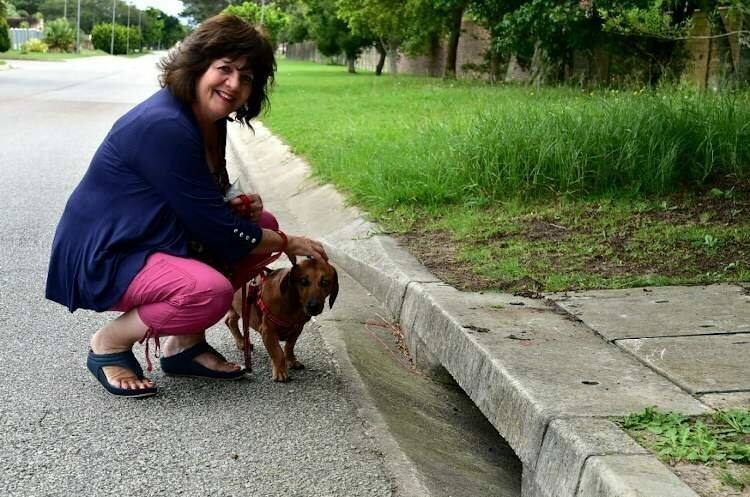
(334, 288)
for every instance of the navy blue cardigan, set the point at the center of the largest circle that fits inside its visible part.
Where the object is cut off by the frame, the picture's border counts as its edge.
(148, 189)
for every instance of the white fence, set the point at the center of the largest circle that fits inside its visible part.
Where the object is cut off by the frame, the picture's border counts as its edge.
(19, 36)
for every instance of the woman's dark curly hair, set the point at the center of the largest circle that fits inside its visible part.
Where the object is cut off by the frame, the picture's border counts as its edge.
(221, 36)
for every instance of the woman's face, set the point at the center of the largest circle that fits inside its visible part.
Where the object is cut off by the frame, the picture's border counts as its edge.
(222, 89)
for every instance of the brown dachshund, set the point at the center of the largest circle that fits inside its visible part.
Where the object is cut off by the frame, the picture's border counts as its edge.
(280, 306)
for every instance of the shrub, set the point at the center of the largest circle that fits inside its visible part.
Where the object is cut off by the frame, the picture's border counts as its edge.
(59, 35)
(4, 36)
(101, 37)
(35, 46)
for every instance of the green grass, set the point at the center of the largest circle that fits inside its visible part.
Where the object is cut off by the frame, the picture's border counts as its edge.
(722, 436)
(568, 188)
(431, 142)
(49, 56)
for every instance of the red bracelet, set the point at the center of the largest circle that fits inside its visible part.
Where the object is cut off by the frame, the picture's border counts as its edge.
(284, 241)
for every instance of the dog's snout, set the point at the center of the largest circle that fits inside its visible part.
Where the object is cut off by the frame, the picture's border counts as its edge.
(314, 307)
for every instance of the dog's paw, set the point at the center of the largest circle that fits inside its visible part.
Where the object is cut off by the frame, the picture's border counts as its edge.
(294, 364)
(280, 374)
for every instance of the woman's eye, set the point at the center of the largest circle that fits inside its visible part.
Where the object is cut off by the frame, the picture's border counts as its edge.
(246, 78)
(224, 69)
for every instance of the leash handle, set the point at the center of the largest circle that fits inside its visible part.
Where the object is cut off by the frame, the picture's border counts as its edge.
(246, 330)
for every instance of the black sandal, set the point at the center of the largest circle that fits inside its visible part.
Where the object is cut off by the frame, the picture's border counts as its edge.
(182, 364)
(127, 360)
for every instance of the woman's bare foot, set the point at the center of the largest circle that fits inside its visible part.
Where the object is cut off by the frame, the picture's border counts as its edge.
(177, 344)
(117, 376)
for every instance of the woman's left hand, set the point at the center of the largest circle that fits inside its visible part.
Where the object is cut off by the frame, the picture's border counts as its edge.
(249, 211)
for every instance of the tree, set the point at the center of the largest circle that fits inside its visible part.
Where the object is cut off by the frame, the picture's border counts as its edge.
(27, 6)
(173, 31)
(387, 20)
(274, 20)
(152, 27)
(332, 34)
(296, 29)
(455, 12)
(92, 12)
(59, 35)
(200, 10)
(4, 33)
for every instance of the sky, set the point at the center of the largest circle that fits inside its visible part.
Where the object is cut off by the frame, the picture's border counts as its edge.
(171, 7)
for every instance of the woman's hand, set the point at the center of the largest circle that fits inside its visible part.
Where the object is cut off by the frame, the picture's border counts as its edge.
(300, 245)
(250, 211)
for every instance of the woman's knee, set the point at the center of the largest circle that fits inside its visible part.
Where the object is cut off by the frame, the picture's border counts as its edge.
(214, 291)
(268, 221)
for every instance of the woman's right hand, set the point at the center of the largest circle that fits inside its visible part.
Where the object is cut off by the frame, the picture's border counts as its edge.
(301, 245)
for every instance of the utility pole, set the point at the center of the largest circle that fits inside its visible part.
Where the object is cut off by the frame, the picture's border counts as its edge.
(112, 43)
(140, 35)
(65, 10)
(78, 28)
(127, 36)
(262, 9)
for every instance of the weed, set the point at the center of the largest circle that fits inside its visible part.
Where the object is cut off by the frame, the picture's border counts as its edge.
(708, 439)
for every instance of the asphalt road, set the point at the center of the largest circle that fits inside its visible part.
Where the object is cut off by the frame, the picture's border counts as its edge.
(355, 422)
(60, 434)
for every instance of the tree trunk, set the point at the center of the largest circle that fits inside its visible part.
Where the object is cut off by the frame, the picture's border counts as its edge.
(455, 33)
(494, 67)
(350, 64)
(392, 60)
(434, 68)
(381, 60)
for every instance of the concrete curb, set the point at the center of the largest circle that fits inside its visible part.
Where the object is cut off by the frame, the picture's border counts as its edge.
(544, 380)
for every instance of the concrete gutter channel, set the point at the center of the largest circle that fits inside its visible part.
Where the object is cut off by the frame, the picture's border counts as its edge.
(546, 373)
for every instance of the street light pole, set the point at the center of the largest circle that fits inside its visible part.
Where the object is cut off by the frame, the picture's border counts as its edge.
(112, 43)
(262, 8)
(140, 35)
(65, 9)
(78, 28)
(127, 36)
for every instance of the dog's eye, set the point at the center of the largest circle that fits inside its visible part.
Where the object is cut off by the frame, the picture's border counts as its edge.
(304, 281)
(324, 283)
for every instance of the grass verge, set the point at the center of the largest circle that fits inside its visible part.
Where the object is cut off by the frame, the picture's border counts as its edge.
(515, 188)
(714, 447)
(49, 56)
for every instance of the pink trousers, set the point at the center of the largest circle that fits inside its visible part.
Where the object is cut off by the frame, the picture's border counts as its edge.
(181, 296)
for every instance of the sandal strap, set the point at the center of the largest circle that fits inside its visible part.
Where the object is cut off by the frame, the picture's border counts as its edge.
(124, 359)
(197, 350)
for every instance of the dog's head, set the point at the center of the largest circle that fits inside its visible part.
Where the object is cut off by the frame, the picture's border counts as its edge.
(313, 281)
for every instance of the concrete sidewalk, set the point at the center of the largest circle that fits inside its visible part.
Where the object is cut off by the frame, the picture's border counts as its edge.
(547, 373)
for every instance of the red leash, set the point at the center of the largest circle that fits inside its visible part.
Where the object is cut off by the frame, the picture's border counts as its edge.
(245, 275)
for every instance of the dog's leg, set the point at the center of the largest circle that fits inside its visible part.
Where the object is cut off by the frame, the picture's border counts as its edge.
(232, 319)
(291, 360)
(271, 340)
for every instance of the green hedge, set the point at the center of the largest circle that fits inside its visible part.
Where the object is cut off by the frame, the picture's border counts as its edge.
(101, 37)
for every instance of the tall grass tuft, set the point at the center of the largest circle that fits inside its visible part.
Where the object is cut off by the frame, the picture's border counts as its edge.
(649, 143)
(416, 140)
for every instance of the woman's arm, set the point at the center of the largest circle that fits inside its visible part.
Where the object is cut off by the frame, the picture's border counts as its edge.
(272, 241)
